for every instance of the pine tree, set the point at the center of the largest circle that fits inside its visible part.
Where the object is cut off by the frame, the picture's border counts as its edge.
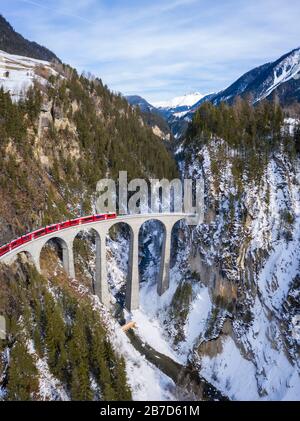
(22, 374)
(79, 360)
(55, 337)
(123, 391)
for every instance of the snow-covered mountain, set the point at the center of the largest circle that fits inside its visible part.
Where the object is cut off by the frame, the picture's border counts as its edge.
(187, 100)
(176, 107)
(17, 73)
(281, 78)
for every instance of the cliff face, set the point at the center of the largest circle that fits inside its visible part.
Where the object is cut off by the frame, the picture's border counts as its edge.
(247, 253)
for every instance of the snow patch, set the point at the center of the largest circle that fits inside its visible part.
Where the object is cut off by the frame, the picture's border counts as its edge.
(231, 372)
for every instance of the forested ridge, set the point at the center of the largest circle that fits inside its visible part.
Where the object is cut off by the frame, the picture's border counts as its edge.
(254, 133)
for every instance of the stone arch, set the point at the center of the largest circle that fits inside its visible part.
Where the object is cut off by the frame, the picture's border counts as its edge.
(178, 234)
(120, 242)
(64, 253)
(151, 241)
(87, 259)
(124, 224)
(168, 225)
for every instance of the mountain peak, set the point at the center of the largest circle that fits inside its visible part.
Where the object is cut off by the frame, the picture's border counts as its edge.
(14, 43)
(187, 100)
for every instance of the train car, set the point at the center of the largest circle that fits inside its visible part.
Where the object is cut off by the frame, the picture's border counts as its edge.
(4, 249)
(16, 243)
(75, 222)
(26, 238)
(87, 219)
(99, 217)
(39, 233)
(52, 228)
(64, 225)
(103, 216)
(111, 215)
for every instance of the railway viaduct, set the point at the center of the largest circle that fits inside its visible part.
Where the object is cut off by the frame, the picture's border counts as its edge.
(101, 228)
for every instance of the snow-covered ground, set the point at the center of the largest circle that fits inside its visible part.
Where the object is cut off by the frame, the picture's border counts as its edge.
(291, 124)
(231, 372)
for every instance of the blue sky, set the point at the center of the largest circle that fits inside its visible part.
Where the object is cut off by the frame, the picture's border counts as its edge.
(160, 48)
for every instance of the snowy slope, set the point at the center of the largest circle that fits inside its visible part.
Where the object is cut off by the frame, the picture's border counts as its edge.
(283, 70)
(281, 76)
(17, 73)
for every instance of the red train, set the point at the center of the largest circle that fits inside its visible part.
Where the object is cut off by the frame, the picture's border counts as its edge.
(52, 228)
